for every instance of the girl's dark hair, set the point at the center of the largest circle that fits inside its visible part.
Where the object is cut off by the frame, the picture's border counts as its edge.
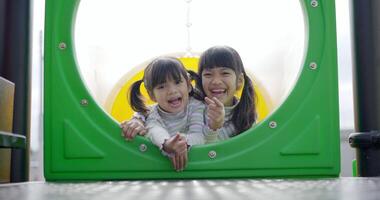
(156, 73)
(195, 92)
(244, 114)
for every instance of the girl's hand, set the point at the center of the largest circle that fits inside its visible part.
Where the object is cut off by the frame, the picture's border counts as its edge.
(179, 160)
(131, 128)
(177, 145)
(215, 113)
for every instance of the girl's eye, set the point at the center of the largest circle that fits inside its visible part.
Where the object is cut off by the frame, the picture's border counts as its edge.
(160, 86)
(206, 74)
(226, 73)
(178, 82)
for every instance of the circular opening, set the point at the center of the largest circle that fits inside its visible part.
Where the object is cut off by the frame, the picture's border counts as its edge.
(115, 39)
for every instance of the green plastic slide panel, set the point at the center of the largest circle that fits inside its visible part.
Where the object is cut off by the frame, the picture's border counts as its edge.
(299, 139)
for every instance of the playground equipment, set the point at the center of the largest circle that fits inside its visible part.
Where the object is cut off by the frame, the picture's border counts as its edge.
(300, 138)
(15, 90)
(366, 88)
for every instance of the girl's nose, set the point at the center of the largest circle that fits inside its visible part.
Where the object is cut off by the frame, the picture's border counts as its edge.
(171, 89)
(216, 80)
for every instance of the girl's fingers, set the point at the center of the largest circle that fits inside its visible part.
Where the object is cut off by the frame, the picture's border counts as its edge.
(129, 132)
(172, 143)
(214, 116)
(178, 161)
(183, 138)
(177, 137)
(143, 132)
(132, 129)
(174, 140)
(182, 151)
(217, 102)
(126, 133)
(139, 130)
(132, 133)
(174, 162)
(135, 131)
(183, 144)
(123, 127)
(213, 112)
(183, 160)
(215, 107)
(180, 146)
(209, 101)
(180, 165)
(127, 129)
(212, 106)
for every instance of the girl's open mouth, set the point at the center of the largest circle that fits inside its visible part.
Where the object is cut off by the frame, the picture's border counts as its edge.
(175, 102)
(218, 92)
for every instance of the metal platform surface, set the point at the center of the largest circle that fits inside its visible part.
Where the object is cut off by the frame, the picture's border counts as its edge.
(268, 189)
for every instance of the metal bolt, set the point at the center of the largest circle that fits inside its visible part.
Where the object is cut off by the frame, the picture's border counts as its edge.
(62, 46)
(313, 66)
(84, 102)
(272, 124)
(143, 147)
(314, 3)
(212, 154)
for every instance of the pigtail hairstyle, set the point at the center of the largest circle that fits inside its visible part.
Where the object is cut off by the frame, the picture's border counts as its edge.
(245, 112)
(195, 92)
(136, 99)
(156, 73)
(244, 115)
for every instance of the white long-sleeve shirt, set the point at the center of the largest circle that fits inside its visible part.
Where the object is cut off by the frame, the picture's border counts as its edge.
(192, 122)
(162, 125)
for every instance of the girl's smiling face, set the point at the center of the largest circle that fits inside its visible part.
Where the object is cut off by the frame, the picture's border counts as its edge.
(172, 96)
(222, 83)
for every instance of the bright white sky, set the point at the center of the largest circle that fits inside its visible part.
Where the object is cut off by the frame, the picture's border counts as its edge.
(113, 36)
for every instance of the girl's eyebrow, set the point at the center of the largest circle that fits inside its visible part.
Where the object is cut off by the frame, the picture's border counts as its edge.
(161, 84)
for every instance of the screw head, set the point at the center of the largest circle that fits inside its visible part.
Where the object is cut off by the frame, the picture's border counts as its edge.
(84, 102)
(272, 124)
(62, 45)
(143, 147)
(313, 66)
(212, 154)
(314, 3)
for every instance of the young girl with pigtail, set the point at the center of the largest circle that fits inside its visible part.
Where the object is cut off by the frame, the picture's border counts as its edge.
(177, 120)
(222, 74)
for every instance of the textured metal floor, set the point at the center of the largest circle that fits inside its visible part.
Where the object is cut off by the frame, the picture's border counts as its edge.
(268, 189)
